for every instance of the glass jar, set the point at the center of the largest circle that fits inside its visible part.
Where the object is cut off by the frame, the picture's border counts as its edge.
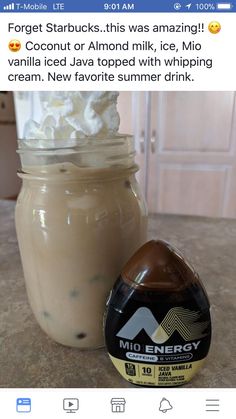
(79, 218)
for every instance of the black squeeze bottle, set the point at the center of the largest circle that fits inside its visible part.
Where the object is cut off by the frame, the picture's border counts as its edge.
(158, 326)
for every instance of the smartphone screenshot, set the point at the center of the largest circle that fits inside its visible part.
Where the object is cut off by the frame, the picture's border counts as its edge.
(117, 209)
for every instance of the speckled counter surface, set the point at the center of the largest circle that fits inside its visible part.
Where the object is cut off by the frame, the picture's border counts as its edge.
(28, 358)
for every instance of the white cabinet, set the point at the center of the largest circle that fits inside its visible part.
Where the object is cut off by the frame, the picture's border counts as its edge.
(188, 163)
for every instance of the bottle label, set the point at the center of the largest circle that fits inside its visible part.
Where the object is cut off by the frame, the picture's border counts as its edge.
(162, 375)
(163, 351)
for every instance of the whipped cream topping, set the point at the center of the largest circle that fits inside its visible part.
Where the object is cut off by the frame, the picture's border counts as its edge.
(74, 115)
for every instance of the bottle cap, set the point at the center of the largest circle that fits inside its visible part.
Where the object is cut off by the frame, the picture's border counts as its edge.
(158, 265)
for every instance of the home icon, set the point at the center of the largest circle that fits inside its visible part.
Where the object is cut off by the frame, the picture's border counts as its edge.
(118, 405)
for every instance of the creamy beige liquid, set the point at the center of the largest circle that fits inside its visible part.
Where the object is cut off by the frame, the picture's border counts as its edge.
(76, 229)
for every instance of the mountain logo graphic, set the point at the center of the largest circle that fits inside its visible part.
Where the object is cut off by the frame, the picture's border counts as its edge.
(184, 321)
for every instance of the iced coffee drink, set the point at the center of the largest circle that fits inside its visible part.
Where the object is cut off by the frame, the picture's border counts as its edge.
(79, 218)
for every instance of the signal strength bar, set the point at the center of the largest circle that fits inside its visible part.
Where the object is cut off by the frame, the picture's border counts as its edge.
(10, 6)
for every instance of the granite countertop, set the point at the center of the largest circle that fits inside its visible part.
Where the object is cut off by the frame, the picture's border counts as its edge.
(30, 359)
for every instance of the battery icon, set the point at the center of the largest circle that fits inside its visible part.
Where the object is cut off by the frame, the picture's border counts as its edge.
(224, 6)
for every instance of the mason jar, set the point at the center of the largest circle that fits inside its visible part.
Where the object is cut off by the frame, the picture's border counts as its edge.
(79, 217)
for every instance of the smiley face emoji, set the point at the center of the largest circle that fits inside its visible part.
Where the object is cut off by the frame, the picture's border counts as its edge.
(14, 45)
(214, 27)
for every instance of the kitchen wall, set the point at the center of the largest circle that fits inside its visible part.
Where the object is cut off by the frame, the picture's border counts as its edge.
(185, 142)
(9, 160)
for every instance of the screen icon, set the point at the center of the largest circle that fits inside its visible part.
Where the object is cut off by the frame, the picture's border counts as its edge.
(224, 6)
(177, 6)
(71, 405)
(118, 405)
(23, 405)
(212, 405)
(165, 405)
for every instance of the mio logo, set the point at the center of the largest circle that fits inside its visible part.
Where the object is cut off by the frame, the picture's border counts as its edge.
(182, 320)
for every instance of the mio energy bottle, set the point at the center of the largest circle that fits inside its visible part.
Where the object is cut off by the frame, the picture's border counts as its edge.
(158, 326)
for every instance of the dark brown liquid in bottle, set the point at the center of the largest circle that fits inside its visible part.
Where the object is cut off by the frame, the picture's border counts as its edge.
(158, 327)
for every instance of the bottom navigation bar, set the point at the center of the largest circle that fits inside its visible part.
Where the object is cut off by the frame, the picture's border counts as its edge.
(126, 403)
